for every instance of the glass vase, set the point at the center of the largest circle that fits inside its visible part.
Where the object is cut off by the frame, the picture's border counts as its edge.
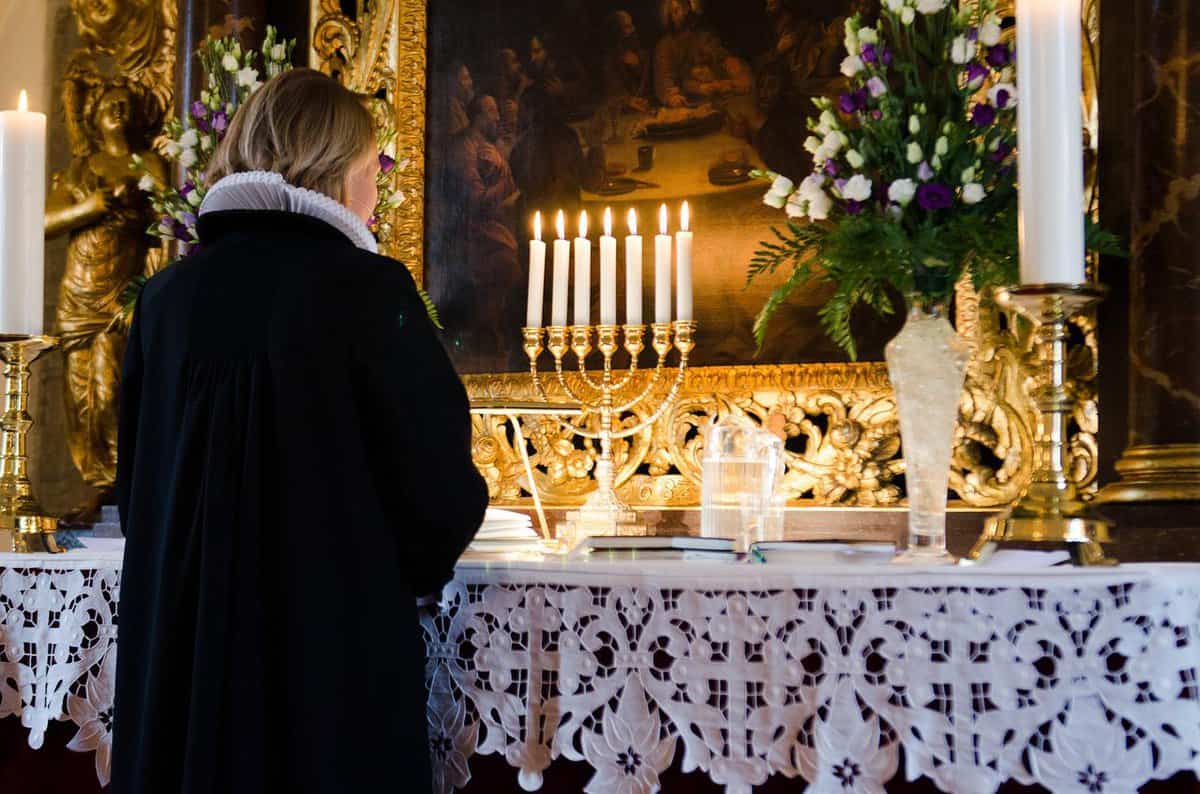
(927, 362)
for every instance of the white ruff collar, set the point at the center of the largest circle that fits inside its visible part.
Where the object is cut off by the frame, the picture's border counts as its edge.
(266, 190)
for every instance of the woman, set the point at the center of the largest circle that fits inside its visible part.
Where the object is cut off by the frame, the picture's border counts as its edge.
(294, 472)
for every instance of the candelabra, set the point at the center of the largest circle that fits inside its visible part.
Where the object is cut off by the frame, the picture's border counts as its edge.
(607, 398)
(1049, 510)
(20, 514)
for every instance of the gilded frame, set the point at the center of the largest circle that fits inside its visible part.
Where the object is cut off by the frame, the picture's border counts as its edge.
(839, 419)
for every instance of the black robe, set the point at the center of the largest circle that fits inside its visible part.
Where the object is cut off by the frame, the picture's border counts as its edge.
(294, 471)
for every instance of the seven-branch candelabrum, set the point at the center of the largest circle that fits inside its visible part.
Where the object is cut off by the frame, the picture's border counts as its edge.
(607, 395)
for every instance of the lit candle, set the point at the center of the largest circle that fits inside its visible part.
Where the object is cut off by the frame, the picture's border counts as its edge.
(537, 275)
(608, 273)
(683, 267)
(22, 219)
(633, 273)
(1050, 142)
(562, 272)
(662, 270)
(583, 274)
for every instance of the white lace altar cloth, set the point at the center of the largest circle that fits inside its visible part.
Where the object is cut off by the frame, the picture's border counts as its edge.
(1079, 680)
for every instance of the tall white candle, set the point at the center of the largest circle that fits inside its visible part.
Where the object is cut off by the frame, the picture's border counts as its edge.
(1050, 141)
(683, 267)
(608, 273)
(633, 273)
(662, 270)
(537, 275)
(583, 274)
(562, 272)
(22, 219)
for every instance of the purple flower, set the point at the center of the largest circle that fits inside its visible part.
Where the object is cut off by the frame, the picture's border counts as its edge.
(831, 167)
(868, 54)
(220, 121)
(997, 56)
(840, 184)
(983, 115)
(386, 164)
(935, 196)
(186, 190)
(877, 114)
(846, 103)
(853, 207)
(972, 33)
(876, 86)
(189, 219)
(372, 222)
(924, 172)
(1002, 151)
(199, 110)
(886, 57)
(166, 226)
(860, 98)
(976, 72)
(1002, 98)
(180, 231)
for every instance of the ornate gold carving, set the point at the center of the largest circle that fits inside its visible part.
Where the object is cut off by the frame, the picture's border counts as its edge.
(111, 114)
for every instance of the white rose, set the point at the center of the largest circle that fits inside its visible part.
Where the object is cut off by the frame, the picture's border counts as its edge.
(914, 125)
(902, 191)
(247, 76)
(811, 144)
(146, 183)
(868, 36)
(941, 146)
(931, 6)
(189, 139)
(973, 193)
(914, 154)
(852, 65)
(854, 159)
(229, 63)
(961, 50)
(989, 32)
(278, 52)
(819, 206)
(907, 15)
(187, 158)
(857, 188)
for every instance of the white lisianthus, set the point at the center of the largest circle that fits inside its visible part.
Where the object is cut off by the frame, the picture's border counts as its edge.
(907, 15)
(278, 52)
(833, 143)
(913, 153)
(811, 144)
(931, 6)
(797, 206)
(968, 175)
(237, 49)
(819, 206)
(397, 198)
(876, 86)
(146, 183)
(189, 139)
(229, 63)
(941, 146)
(247, 76)
(854, 159)
(187, 158)
(811, 186)
(914, 125)
(973, 193)
(852, 65)
(777, 196)
(172, 149)
(206, 143)
(989, 32)
(851, 44)
(937, 162)
(857, 188)
(194, 198)
(902, 191)
(961, 50)
(894, 5)
(1010, 100)
(826, 122)
(868, 36)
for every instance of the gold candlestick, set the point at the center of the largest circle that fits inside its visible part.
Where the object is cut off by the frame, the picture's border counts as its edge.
(1049, 510)
(607, 398)
(20, 513)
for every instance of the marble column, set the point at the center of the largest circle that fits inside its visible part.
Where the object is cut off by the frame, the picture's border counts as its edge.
(1162, 457)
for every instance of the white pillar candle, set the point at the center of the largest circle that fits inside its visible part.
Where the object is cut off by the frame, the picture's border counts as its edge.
(22, 219)
(683, 267)
(562, 272)
(583, 274)
(1050, 142)
(608, 273)
(537, 275)
(662, 270)
(633, 273)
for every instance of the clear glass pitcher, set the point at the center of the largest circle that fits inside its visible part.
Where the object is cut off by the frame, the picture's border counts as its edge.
(742, 474)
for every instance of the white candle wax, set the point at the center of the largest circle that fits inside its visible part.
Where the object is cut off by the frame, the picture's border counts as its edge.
(662, 270)
(1050, 142)
(633, 277)
(608, 273)
(537, 283)
(583, 275)
(22, 220)
(562, 272)
(683, 267)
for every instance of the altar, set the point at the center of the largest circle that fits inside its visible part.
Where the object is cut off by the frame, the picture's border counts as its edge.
(1072, 679)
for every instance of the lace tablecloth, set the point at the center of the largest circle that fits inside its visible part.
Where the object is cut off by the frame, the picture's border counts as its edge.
(1080, 680)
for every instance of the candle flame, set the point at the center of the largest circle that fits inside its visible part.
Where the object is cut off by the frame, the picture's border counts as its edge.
(683, 217)
(633, 222)
(662, 219)
(562, 226)
(537, 226)
(23, 101)
(608, 222)
(583, 224)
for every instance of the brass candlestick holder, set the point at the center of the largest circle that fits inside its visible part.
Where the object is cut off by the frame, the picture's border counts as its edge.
(20, 514)
(1049, 510)
(607, 398)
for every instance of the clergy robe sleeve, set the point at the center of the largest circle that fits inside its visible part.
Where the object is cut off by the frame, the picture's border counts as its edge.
(434, 493)
(130, 407)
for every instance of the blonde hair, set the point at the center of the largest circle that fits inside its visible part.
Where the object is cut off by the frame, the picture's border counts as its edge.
(301, 124)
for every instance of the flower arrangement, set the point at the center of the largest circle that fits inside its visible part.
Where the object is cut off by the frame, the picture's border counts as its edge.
(914, 176)
(232, 74)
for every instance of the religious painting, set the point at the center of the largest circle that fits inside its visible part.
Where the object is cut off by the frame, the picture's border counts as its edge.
(582, 105)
